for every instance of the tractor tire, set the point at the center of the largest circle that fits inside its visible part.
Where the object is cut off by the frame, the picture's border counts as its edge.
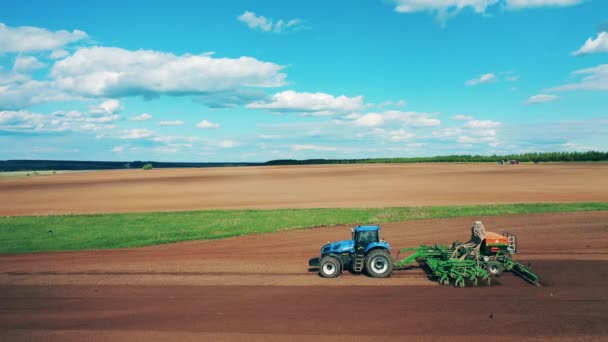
(329, 267)
(494, 268)
(378, 263)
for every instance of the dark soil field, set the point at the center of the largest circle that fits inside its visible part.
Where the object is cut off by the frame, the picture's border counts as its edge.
(259, 288)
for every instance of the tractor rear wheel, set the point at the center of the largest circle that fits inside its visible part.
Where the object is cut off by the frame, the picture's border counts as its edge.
(329, 267)
(378, 263)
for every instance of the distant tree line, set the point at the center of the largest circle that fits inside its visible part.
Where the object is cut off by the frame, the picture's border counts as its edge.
(41, 165)
(591, 156)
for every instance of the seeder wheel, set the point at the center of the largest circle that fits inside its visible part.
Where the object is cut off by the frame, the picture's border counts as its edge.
(459, 282)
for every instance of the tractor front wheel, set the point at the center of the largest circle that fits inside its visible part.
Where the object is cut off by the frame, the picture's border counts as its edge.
(378, 263)
(329, 267)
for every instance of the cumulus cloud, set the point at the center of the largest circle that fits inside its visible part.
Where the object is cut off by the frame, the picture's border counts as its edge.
(106, 107)
(399, 135)
(311, 103)
(171, 123)
(468, 135)
(24, 92)
(137, 133)
(443, 9)
(58, 121)
(20, 120)
(118, 149)
(116, 72)
(520, 4)
(599, 44)
(307, 147)
(12, 77)
(409, 6)
(481, 79)
(27, 64)
(230, 98)
(541, 98)
(142, 117)
(482, 124)
(462, 117)
(228, 144)
(595, 78)
(58, 54)
(412, 119)
(473, 131)
(33, 39)
(268, 25)
(370, 120)
(205, 124)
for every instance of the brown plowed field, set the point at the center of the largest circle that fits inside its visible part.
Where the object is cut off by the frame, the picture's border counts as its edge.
(366, 185)
(259, 288)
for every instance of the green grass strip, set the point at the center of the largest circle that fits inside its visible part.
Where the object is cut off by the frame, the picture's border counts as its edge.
(80, 232)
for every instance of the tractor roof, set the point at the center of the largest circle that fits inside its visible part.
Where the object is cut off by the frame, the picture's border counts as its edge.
(366, 228)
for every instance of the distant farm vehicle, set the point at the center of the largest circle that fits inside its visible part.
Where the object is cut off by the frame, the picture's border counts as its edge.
(486, 255)
(509, 162)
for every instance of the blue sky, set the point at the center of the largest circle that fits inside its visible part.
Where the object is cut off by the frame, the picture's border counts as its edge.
(262, 80)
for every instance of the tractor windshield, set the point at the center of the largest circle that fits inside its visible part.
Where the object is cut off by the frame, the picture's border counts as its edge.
(366, 237)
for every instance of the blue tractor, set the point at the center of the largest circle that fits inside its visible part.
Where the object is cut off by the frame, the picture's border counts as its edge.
(364, 253)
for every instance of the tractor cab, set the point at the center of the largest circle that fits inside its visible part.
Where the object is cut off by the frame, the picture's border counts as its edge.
(363, 236)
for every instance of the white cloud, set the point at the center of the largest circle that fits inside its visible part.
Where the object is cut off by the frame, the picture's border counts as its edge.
(370, 120)
(229, 144)
(75, 116)
(462, 117)
(596, 79)
(481, 79)
(31, 39)
(116, 72)
(230, 98)
(574, 147)
(118, 149)
(541, 98)
(59, 121)
(313, 148)
(447, 132)
(599, 44)
(171, 123)
(110, 106)
(142, 117)
(268, 25)
(207, 124)
(312, 103)
(482, 124)
(20, 119)
(398, 104)
(472, 132)
(519, 4)
(58, 54)
(27, 64)
(24, 92)
(8, 78)
(442, 7)
(413, 119)
(137, 133)
(400, 135)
